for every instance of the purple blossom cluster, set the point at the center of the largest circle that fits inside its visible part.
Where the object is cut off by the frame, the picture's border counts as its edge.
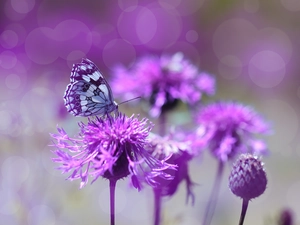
(231, 128)
(162, 82)
(113, 146)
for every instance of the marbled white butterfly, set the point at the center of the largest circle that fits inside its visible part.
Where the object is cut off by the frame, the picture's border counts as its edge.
(88, 93)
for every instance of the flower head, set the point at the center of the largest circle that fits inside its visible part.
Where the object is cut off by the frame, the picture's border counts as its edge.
(112, 147)
(248, 178)
(178, 153)
(163, 82)
(229, 128)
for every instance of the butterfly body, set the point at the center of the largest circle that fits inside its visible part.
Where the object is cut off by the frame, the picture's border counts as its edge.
(88, 93)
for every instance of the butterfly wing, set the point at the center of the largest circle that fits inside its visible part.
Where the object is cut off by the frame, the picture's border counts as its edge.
(88, 94)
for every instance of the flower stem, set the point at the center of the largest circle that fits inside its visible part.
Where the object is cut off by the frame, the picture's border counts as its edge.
(157, 205)
(211, 205)
(157, 191)
(243, 212)
(112, 188)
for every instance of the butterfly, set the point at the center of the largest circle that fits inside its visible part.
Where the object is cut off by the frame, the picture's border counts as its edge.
(88, 93)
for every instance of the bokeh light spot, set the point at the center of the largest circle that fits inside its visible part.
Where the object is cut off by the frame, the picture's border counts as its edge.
(22, 6)
(146, 25)
(251, 6)
(291, 5)
(5, 121)
(143, 23)
(192, 36)
(11, 13)
(276, 40)
(126, 53)
(69, 29)
(10, 202)
(13, 81)
(72, 36)
(127, 5)
(41, 214)
(8, 59)
(39, 48)
(266, 69)
(9, 39)
(230, 67)
(233, 37)
(169, 27)
(15, 171)
(20, 31)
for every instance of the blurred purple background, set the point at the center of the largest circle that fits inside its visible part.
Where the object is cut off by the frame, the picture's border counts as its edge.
(251, 46)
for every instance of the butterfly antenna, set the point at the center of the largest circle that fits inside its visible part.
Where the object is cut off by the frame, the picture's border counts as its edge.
(130, 100)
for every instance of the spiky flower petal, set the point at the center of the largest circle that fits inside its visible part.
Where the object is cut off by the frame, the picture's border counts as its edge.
(230, 128)
(178, 153)
(163, 81)
(112, 147)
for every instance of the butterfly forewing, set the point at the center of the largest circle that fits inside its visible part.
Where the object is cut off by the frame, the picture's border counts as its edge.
(88, 93)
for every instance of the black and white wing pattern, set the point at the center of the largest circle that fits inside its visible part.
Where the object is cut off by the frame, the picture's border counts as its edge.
(88, 93)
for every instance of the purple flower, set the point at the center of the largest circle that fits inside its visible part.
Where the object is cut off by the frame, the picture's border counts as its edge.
(229, 128)
(163, 82)
(112, 147)
(179, 153)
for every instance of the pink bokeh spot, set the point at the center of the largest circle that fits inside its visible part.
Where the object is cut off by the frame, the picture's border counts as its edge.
(169, 27)
(126, 53)
(142, 22)
(22, 6)
(233, 37)
(9, 39)
(44, 45)
(40, 48)
(8, 59)
(127, 5)
(267, 69)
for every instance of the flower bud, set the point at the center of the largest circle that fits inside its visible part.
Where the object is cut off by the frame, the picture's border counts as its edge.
(248, 179)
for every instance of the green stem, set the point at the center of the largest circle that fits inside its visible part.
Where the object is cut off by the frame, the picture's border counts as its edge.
(211, 205)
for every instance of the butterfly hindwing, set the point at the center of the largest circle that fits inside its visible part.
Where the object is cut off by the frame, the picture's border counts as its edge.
(88, 94)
